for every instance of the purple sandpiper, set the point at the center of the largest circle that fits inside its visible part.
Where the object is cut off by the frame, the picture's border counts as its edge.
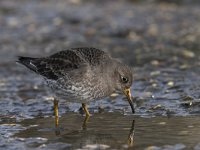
(82, 75)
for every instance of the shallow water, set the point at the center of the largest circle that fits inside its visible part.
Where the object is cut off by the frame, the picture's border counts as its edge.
(109, 131)
(159, 39)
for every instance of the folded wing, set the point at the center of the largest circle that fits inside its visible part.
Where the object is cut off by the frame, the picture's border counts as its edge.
(55, 66)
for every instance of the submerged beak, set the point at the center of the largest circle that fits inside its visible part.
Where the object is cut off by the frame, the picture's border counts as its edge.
(127, 92)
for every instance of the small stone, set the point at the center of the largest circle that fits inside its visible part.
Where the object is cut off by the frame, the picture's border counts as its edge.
(50, 98)
(162, 123)
(184, 66)
(170, 83)
(154, 85)
(96, 146)
(155, 62)
(155, 73)
(114, 95)
(157, 107)
(188, 54)
(152, 148)
(35, 87)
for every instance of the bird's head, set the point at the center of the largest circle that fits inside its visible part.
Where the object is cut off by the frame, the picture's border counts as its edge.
(123, 80)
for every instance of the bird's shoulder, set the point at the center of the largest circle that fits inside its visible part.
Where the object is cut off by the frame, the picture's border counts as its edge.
(92, 56)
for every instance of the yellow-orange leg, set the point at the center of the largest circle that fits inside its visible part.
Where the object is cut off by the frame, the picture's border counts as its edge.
(56, 112)
(86, 117)
(85, 110)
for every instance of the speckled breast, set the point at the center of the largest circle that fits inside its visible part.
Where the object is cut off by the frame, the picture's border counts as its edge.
(72, 92)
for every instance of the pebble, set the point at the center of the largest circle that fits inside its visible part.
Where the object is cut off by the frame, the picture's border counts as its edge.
(170, 83)
(155, 73)
(188, 54)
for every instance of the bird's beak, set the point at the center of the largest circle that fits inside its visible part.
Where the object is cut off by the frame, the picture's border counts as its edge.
(127, 92)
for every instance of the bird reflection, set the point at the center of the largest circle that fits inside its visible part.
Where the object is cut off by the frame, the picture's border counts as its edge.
(84, 125)
(131, 134)
(129, 140)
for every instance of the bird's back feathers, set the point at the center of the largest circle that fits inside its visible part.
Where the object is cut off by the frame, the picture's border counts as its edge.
(63, 62)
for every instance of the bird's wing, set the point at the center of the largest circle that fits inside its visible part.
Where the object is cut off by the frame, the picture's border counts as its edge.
(56, 66)
(93, 56)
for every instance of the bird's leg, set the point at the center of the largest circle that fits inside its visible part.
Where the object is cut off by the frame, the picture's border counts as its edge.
(56, 112)
(86, 117)
(85, 110)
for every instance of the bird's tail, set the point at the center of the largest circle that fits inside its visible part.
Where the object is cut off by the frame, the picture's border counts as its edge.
(28, 62)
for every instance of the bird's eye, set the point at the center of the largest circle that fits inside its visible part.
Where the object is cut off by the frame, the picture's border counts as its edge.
(124, 79)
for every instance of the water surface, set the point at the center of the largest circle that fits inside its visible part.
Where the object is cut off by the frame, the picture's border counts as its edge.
(113, 131)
